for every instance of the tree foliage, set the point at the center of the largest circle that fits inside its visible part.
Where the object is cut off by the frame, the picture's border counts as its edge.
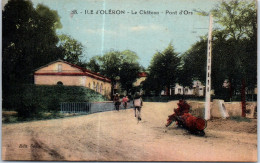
(193, 64)
(72, 50)
(94, 64)
(237, 17)
(110, 64)
(128, 75)
(163, 70)
(29, 39)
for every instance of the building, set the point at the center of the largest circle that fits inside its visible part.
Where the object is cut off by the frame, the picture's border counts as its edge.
(65, 73)
(178, 90)
(197, 89)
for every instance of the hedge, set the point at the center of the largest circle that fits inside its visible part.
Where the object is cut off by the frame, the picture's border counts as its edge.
(30, 100)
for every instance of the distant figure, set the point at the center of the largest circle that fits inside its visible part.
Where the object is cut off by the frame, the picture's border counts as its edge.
(125, 100)
(117, 101)
(138, 103)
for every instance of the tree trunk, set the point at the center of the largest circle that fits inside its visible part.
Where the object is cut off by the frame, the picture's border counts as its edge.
(243, 98)
(166, 91)
(112, 91)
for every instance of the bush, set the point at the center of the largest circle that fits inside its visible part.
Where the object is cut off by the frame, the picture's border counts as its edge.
(170, 98)
(31, 100)
(9, 119)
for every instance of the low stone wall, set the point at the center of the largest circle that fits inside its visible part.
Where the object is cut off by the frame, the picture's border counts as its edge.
(251, 108)
(233, 108)
(197, 108)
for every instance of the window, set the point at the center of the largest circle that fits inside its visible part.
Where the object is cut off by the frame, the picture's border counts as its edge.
(101, 86)
(89, 85)
(97, 87)
(186, 90)
(59, 67)
(94, 85)
(179, 90)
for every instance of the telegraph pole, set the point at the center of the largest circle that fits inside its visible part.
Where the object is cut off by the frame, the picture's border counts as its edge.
(208, 75)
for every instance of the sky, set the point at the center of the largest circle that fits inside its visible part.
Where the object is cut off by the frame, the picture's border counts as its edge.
(142, 33)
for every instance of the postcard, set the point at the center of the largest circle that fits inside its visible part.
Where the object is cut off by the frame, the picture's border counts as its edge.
(131, 80)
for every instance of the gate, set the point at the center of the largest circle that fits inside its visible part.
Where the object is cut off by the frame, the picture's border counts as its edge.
(75, 107)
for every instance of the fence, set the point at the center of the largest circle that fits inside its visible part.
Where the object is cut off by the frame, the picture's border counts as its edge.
(75, 107)
(86, 107)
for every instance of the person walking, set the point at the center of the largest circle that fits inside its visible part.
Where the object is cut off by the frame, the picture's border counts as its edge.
(117, 101)
(138, 103)
(125, 101)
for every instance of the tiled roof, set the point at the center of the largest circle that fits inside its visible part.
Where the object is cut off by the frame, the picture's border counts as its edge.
(85, 72)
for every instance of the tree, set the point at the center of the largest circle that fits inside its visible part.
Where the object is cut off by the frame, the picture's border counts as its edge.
(71, 49)
(128, 74)
(129, 56)
(129, 69)
(238, 19)
(110, 65)
(94, 64)
(118, 66)
(234, 48)
(240, 27)
(163, 70)
(29, 40)
(194, 64)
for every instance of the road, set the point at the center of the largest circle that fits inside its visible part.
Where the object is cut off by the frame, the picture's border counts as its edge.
(116, 136)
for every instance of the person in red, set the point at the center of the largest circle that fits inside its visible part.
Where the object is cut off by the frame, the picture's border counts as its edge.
(125, 100)
(183, 108)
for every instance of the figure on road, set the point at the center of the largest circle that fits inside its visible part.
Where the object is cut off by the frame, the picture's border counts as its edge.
(117, 101)
(125, 101)
(138, 103)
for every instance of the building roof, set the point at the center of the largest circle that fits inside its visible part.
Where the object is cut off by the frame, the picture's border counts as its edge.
(85, 72)
(142, 74)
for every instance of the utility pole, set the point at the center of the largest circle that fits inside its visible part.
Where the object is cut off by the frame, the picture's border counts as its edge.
(208, 75)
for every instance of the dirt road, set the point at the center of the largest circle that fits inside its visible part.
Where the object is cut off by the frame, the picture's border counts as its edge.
(116, 136)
